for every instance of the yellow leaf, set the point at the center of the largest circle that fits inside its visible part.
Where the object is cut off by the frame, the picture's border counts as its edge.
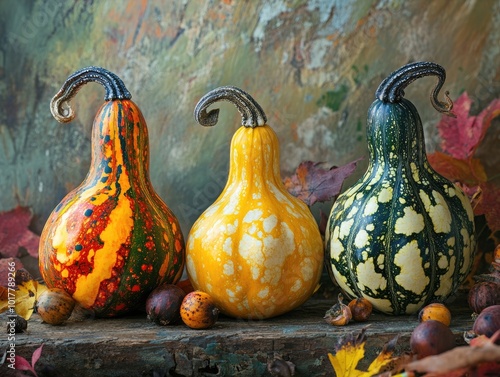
(351, 350)
(4, 299)
(27, 293)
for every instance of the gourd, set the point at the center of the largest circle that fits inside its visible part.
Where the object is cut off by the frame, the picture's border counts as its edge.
(403, 235)
(111, 240)
(256, 250)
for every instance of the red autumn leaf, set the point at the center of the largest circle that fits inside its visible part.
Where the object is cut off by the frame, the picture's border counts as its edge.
(462, 135)
(312, 184)
(5, 268)
(488, 204)
(14, 233)
(36, 355)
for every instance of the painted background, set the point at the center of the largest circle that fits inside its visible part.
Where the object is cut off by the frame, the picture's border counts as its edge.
(313, 66)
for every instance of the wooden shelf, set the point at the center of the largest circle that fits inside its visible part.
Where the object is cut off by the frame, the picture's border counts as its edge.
(132, 346)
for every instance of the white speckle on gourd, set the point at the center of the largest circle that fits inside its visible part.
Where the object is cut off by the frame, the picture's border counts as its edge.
(371, 206)
(252, 215)
(412, 276)
(411, 222)
(368, 277)
(415, 172)
(228, 268)
(336, 247)
(269, 223)
(263, 293)
(446, 280)
(362, 239)
(345, 228)
(385, 195)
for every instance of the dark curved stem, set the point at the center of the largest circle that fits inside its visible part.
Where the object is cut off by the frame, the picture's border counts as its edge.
(115, 89)
(392, 88)
(252, 114)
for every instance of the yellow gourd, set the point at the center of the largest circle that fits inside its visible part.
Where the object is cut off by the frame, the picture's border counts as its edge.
(257, 249)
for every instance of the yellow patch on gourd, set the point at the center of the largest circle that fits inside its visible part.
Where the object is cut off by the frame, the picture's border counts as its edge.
(385, 195)
(411, 222)
(362, 238)
(381, 304)
(414, 172)
(368, 277)
(371, 206)
(412, 276)
(120, 223)
(446, 280)
(336, 247)
(468, 241)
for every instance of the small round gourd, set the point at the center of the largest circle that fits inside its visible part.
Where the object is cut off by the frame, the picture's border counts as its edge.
(111, 240)
(403, 235)
(256, 250)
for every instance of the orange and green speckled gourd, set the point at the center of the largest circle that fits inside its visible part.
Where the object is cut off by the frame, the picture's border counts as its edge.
(257, 249)
(111, 240)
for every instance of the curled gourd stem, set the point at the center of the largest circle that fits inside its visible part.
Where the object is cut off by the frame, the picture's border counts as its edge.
(115, 89)
(252, 114)
(392, 88)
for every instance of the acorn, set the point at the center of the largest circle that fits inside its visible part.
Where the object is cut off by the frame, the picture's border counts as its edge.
(435, 311)
(339, 314)
(482, 295)
(164, 303)
(431, 338)
(55, 306)
(361, 309)
(488, 321)
(198, 310)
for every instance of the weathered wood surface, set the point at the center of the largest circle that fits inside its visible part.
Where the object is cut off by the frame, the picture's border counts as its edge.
(133, 346)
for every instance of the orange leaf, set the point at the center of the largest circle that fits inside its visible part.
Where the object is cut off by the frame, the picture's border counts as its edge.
(469, 172)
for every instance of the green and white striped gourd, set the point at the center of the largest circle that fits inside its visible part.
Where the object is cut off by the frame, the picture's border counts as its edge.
(403, 235)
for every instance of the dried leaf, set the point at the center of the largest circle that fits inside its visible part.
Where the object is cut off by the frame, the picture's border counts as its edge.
(14, 233)
(27, 293)
(351, 349)
(460, 360)
(4, 299)
(469, 172)
(462, 135)
(488, 205)
(6, 267)
(312, 184)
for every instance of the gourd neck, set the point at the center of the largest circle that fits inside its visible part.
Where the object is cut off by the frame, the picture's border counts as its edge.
(394, 130)
(395, 133)
(254, 159)
(120, 145)
(120, 141)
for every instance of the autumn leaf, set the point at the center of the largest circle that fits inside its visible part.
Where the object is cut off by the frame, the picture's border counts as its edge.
(311, 183)
(27, 293)
(14, 233)
(6, 267)
(462, 135)
(469, 172)
(4, 299)
(351, 350)
(488, 204)
(460, 360)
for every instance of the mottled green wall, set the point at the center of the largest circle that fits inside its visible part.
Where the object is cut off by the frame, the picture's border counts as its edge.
(313, 66)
